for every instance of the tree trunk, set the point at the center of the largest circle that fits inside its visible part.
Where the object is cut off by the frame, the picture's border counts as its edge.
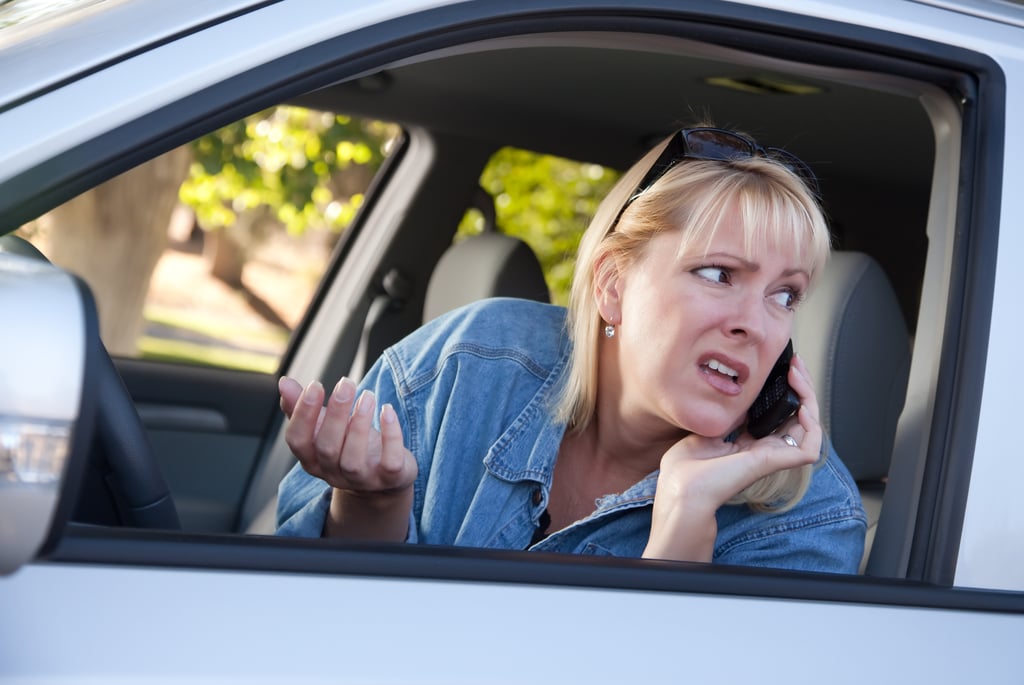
(226, 249)
(113, 236)
(225, 254)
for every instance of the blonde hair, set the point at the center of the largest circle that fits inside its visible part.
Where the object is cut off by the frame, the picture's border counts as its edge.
(775, 207)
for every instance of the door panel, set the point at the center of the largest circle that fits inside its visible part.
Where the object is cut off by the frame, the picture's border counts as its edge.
(262, 627)
(206, 427)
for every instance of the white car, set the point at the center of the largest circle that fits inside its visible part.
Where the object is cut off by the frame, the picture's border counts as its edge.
(137, 497)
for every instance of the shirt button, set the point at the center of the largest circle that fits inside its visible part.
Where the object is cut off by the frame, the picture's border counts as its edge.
(537, 496)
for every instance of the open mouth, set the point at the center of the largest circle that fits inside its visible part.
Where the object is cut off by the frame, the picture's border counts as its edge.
(723, 370)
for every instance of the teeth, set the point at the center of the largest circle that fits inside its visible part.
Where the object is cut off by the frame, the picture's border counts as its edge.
(718, 366)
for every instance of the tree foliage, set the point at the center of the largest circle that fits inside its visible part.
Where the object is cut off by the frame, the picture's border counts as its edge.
(291, 160)
(308, 169)
(547, 202)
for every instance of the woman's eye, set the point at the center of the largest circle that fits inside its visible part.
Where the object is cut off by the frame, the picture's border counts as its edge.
(786, 298)
(715, 274)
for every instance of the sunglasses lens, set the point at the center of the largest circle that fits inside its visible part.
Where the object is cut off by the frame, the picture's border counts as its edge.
(706, 143)
(717, 145)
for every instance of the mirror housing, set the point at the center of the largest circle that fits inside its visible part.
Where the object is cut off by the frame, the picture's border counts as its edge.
(49, 345)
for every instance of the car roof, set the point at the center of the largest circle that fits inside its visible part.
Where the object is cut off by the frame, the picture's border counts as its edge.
(1006, 11)
(605, 99)
(45, 43)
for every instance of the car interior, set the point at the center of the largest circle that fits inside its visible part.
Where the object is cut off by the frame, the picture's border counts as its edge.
(882, 132)
(857, 332)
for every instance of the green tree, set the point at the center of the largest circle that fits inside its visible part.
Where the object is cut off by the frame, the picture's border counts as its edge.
(547, 202)
(300, 168)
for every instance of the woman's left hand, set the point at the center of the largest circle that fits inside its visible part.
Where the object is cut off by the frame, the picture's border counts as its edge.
(699, 474)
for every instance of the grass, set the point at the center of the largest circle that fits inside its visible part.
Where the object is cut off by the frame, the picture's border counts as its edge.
(161, 349)
(265, 345)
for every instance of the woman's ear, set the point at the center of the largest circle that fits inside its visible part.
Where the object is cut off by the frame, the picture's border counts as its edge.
(608, 289)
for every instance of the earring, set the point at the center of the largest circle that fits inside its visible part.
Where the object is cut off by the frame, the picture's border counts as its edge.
(609, 331)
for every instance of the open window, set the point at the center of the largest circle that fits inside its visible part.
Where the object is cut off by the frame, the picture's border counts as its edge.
(885, 135)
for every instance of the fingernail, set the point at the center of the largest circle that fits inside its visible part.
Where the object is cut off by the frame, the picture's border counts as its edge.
(365, 403)
(387, 414)
(344, 391)
(311, 395)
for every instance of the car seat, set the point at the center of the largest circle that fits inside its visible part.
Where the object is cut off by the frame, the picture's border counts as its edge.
(488, 264)
(854, 339)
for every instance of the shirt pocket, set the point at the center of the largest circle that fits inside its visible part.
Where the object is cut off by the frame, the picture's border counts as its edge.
(597, 550)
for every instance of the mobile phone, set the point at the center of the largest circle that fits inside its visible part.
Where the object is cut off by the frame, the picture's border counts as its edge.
(776, 402)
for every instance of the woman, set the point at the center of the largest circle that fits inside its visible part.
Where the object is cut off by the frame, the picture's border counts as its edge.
(617, 427)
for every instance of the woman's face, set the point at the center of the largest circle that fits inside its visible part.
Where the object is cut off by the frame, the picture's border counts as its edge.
(699, 331)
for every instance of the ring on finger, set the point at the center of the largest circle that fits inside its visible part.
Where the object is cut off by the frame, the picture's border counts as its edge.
(789, 440)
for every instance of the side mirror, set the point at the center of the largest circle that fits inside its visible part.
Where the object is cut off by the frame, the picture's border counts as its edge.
(47, 410)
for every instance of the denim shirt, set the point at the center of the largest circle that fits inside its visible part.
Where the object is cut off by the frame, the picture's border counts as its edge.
(473, 392)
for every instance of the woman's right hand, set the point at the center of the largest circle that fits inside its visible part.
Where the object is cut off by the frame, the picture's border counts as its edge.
(699, 474)
(371, 471)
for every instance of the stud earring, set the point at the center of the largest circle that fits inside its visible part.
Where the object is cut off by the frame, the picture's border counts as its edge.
(609, 331)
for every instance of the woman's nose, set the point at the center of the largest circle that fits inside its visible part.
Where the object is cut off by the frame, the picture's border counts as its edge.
(747, 319)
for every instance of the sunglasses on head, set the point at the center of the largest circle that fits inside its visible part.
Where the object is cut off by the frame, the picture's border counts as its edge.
(719, 145)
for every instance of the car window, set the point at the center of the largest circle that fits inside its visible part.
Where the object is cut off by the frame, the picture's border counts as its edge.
(210, 254)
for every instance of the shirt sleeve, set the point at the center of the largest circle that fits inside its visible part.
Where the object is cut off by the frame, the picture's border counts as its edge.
(833, 546)
(304, 501)
(824, 532)
(302, 504)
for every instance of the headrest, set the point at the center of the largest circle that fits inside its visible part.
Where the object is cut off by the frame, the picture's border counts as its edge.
(486, 265)
(852, 335)
(15, 244)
